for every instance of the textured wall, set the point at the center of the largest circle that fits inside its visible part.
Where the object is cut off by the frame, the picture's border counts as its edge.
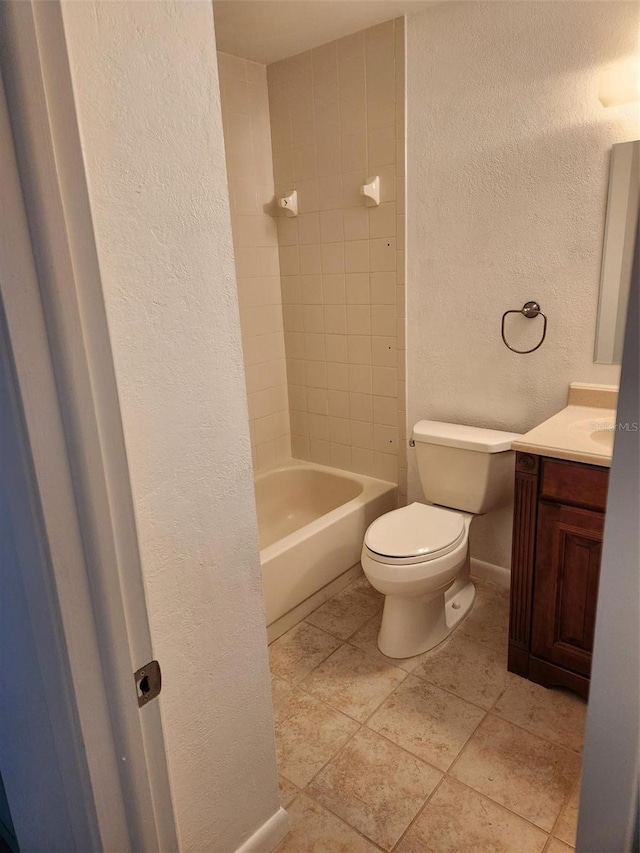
(146, 86)
(337, 115)
(247, 138)
(507, 158)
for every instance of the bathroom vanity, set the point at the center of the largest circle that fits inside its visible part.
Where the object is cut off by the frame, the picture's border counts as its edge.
(561, 481)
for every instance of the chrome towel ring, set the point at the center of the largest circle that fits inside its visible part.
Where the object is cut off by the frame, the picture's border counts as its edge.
(528, 310)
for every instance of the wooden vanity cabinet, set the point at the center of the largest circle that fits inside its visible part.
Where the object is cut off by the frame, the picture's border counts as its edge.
(557, 543)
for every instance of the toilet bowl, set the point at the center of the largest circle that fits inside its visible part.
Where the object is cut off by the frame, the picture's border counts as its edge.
(418, 556)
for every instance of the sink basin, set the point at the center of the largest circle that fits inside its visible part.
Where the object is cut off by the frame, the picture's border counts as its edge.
(578, 433)
(599, 431)
(603, 437)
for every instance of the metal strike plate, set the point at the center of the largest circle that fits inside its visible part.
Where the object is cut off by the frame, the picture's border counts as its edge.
(148, 682)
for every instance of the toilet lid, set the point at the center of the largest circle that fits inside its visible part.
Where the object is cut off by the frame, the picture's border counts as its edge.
(415, 530)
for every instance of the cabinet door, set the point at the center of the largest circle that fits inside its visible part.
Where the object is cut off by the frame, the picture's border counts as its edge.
(569, 545)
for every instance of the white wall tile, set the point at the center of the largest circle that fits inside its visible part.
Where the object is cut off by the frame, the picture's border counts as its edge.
(337, 114)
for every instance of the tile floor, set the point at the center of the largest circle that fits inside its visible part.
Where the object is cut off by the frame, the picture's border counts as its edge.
(443, 753)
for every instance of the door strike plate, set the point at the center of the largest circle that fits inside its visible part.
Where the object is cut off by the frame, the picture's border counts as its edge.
(148, 682)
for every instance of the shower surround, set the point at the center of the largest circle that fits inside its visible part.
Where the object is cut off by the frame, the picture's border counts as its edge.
(336, 116)
(247, 137)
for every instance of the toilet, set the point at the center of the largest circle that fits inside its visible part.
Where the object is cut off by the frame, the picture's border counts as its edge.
(418, 556)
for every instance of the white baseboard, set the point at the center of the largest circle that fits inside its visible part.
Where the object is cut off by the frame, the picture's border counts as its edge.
(268, 836)
(489, 572)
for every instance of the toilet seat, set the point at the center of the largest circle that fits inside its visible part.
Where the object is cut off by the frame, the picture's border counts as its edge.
(417, 533)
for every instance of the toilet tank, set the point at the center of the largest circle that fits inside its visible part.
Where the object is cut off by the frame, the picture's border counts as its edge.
(465, 468)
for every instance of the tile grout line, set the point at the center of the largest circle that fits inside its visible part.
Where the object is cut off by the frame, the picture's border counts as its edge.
(407, 752)
(362, 725)
(565, 805)
(487, 711)
(546, 740)
(491, 712)
(445, 774)
(418, 813)
(446, 690)
(342, 820)
(491, 709)
(306, 791)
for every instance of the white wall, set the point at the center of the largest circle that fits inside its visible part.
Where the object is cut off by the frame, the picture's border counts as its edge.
(508, 151)
(147, 95)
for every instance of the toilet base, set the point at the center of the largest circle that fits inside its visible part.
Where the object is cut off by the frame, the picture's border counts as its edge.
(412, 626)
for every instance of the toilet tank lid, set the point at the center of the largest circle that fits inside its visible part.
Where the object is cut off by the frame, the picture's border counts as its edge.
(465, 437)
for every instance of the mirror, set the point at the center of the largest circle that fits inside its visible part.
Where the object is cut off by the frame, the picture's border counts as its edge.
(617, 251)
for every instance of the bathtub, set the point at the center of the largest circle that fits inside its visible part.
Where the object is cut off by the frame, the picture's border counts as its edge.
(312, 520)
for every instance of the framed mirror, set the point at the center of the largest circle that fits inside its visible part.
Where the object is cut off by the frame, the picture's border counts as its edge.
(617, 251)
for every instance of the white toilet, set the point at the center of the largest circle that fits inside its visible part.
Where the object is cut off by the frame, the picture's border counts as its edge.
(418, 556)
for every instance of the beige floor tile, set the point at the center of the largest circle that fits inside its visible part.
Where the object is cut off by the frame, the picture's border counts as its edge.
(353, 682)
(567, 825)
(296, 653)
(470, 670)
(556, 715)
(315, 830)
(375, 786)
(429, 722)
(366, 638)
(308, 733)
(345, 612)
(279, 689)
(555, 846)
(363, 586)
(457, 820)
(287, 791)
(488, 622)
(518, 770)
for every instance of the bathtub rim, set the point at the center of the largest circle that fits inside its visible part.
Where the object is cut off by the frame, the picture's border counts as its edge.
(372, 488)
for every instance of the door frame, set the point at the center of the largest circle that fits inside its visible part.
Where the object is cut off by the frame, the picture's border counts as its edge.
(59, 343)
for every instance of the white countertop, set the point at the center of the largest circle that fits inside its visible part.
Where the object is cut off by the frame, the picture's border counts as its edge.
(579, 433)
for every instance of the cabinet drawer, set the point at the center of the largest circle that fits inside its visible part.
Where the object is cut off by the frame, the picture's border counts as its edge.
(573, 483)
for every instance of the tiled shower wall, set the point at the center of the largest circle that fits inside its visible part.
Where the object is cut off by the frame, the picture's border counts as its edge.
(337, 116)
(245, 113)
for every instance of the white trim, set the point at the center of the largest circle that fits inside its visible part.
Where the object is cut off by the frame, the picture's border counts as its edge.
(490, 572)
(269, 835)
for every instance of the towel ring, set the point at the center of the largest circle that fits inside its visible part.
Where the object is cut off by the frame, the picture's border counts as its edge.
(528, 310)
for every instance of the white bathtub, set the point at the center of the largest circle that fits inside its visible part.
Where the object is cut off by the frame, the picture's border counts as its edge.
(312, 520)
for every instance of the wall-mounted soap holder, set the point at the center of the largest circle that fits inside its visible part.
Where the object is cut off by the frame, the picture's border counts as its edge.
(371, 191)
(289, 203)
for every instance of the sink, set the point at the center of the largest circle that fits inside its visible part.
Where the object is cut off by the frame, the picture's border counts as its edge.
(603, 436)
(600, 431)
(578, 433)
